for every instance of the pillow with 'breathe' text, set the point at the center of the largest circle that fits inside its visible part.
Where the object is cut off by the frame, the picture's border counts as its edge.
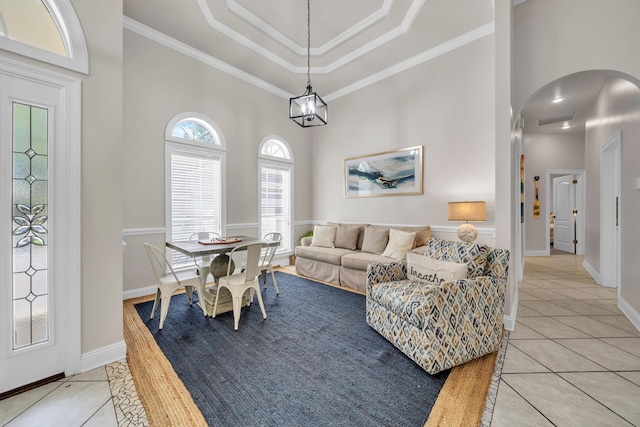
(428, 270)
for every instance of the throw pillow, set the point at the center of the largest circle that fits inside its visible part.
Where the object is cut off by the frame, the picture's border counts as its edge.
(428, 270)
(347, 236)
(423, 233)
(472, 254)
(375, 239)
(323, 236)
(400, 242)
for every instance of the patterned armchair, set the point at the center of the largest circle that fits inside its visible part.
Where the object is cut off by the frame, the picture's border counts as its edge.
(439, 325)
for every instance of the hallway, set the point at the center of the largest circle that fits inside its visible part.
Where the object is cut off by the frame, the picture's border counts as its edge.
(573, 359)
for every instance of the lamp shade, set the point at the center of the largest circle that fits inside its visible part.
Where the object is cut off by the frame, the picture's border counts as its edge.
(467, 211)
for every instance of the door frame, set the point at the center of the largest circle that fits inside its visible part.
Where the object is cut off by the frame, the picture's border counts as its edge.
(580, 205)
(610, 233)
(65, 161)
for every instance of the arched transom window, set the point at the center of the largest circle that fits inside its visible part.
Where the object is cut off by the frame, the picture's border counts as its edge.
(193, 129)
(275, 148)
(46, 30)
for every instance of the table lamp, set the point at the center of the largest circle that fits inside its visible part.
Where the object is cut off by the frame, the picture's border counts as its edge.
(467, 211)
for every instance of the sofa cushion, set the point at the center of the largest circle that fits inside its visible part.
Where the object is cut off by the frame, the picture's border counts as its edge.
(472, 254)
(375, 239)
(427, 270)
(347, 236)
(360, 260)
(400, 242)
(405, 298)
(328, 255)
(324, 236)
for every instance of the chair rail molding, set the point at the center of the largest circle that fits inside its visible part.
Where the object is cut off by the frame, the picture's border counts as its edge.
(143, 231)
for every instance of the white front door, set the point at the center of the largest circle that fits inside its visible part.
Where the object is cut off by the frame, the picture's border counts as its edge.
(39, 308)
(563, 206)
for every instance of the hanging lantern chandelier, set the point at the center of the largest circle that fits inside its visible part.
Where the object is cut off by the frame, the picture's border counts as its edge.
(308, 109)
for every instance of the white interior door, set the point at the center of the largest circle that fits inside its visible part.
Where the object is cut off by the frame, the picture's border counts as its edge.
(39, 266)
(563, 206)
(609, 212)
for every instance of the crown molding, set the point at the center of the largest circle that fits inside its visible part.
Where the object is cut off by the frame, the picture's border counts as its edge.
(187, 50)
(368, 21)
(398, 31)
(425, 56)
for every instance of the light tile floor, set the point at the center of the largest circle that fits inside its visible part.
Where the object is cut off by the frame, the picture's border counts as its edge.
(103, 397)
(573, 359)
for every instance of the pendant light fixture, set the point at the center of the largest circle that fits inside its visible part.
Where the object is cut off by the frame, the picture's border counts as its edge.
(308, 109)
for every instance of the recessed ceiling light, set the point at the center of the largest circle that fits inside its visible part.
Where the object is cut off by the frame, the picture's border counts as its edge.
(558, 99)
(566, 125)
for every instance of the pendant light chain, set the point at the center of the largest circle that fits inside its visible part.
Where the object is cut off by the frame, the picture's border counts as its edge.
(308, 42)
(308, 109)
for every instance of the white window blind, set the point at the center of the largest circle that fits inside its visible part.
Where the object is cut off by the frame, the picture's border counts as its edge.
(195, 196)
(275, 203)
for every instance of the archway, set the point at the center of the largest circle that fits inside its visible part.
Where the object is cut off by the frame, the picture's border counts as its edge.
(599, 103)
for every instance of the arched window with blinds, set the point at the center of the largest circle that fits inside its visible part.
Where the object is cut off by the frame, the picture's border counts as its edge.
(195, 190)
(276, 190)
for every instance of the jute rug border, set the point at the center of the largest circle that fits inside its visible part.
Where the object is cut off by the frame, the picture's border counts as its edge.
(168, 403)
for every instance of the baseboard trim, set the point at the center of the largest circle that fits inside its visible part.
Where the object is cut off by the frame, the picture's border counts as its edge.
(592, 271)
(510, 321)
(103, 356)
(632, 314)
(537, 253)
(139, 292)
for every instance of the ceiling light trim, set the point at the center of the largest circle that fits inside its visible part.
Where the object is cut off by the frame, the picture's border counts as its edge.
(425, 56)
(157, 36)
(254, 20)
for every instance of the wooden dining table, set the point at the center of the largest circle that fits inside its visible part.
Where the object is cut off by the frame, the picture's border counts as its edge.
(218, 266)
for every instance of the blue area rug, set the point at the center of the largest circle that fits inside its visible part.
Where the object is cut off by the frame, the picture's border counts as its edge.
(313, 362)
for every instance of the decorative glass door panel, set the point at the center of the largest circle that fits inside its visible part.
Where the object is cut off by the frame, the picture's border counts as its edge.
(29, 226)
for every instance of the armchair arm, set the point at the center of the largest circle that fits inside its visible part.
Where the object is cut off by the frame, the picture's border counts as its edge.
(306, 241)
(388, 272)
(468, 320)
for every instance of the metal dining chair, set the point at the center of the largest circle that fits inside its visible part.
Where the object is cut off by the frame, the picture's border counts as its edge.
(239, 284)
(169, 282)
(266, 260)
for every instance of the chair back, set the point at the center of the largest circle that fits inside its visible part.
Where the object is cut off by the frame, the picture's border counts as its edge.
(159, 263)
(253, 259)
(204, 235)
(270, 251)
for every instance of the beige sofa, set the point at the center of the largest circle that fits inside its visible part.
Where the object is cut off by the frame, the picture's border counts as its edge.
(343, 259)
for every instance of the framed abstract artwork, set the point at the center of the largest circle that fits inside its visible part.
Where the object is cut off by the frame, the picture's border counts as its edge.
(391, 173)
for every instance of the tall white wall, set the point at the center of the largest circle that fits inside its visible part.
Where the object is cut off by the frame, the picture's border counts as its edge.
(160, 83)
(556, 38)
(542, 153)
(447, 106)
(617, 109)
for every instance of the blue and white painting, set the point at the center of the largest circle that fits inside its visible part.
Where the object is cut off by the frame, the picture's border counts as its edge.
(392, 173)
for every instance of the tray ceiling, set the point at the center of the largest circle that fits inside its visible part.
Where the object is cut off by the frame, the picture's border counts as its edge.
(352, 43)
